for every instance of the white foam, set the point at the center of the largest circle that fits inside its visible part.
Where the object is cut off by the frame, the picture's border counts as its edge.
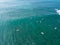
(17, 30)
(42, 33)
(58, 11)
(55, 28)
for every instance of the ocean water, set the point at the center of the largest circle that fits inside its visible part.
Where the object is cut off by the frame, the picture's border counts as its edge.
(30, 22)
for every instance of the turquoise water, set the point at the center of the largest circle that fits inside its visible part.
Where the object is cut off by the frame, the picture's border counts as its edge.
(27, 31)
(29, 23)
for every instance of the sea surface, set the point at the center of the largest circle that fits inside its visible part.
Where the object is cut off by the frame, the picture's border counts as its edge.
(29, 22)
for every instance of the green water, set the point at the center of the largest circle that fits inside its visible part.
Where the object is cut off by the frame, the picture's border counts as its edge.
(25, 22)
(27, 31)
